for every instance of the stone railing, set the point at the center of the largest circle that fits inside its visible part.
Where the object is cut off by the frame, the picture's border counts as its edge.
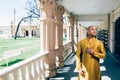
(67, 49)
(29, 69)
(32, 68)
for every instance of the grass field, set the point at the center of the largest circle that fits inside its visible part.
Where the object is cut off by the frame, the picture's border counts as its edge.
(31, 45)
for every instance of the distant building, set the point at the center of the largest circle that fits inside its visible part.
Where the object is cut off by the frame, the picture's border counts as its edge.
(5, 31)
(24, 31)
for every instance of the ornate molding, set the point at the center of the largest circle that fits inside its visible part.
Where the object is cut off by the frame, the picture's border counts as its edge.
(71, 19)
(48, 4)
(60, 9)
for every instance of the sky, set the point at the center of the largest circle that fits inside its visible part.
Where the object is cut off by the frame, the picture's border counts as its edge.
(7, 8)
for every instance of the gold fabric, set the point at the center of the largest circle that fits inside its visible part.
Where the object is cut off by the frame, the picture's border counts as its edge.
(88, 62)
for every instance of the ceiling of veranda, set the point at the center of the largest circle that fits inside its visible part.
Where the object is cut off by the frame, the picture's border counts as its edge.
(90, 7)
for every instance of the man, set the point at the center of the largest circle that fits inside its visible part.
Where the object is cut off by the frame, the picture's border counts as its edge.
(89, 51)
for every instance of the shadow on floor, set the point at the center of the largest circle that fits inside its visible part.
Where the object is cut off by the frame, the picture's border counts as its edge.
(68, 71)
(109, 69)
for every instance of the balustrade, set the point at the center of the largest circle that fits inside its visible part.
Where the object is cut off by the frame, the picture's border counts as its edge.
(32, 68)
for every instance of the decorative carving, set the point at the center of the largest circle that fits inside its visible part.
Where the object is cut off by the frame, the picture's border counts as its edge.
(48, 4)
(71, 19)
(43, 3)
(60, 9)
(51, 2)
(59, 13)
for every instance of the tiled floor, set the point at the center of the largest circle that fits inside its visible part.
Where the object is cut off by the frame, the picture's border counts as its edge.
(110, 69)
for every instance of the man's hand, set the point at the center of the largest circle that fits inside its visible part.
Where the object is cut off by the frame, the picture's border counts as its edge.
(82, 72)
(90, 50)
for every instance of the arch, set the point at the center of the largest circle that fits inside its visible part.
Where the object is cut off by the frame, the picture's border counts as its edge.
(27, 33)
(33, 33)
(112, 34)
(116, 18)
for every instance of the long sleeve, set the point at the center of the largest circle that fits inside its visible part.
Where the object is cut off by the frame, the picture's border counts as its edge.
(78, 60)
(100, 53)
(89, 62)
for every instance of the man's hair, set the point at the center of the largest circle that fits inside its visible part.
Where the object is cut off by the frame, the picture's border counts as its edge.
(90, 27)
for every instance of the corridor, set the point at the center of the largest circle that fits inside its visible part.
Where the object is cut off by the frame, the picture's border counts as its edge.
(109, 69)
(62, 24)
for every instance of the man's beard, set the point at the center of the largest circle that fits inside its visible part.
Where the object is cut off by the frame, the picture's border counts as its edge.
(92, 35)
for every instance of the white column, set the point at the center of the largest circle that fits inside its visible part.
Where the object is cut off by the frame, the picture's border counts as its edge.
(30, 33)
(71, 25)
(112, 37)
(68, 32)
(47, 27)
(59, 36)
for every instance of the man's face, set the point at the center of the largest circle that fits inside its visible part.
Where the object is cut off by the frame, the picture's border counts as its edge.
(92, 31)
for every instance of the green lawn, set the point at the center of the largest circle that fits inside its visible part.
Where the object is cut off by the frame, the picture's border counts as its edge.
(31, 45)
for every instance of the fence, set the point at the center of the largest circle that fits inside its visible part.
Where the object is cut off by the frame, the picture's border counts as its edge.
(30, 69)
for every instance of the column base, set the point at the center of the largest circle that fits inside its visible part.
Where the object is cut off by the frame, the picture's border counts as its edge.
(59, 57)
(73, 48)
(50, 73)
(50, 65)
(59, 64)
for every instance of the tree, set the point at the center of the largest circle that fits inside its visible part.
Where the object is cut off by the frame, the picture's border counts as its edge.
(32, 8)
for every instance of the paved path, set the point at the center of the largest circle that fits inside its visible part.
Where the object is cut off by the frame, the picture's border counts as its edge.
(110, 69)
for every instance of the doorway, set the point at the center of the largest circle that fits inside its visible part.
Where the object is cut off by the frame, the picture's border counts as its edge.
(117, 36)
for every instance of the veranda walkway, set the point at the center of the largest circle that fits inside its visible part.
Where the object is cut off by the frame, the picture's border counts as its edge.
(109, 69)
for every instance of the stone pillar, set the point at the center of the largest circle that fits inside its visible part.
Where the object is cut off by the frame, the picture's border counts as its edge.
(76, 33)
(30, 32)
(47, 34)
(12, 29)
(68, 32)
(59, 37)
(112, 37)
(71, 25)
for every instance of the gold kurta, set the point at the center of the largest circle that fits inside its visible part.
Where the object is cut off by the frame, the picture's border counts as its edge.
(88, 62)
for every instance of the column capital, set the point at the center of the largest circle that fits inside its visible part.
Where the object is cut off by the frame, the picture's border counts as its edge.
(60, 9)
(47, 9)
(71, 19)
(48, 4)
(59, 13)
